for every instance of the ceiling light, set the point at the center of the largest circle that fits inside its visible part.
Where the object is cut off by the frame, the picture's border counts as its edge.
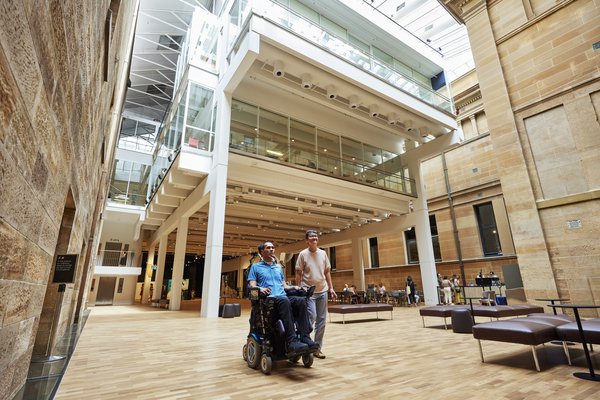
(275, 153)
(331, 92)
(278, 71)
(392, 118)
(306, 81)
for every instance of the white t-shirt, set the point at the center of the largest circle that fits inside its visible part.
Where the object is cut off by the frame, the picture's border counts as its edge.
(314, 266)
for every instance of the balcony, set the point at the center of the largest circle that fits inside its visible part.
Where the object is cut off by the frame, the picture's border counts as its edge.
(115, 262)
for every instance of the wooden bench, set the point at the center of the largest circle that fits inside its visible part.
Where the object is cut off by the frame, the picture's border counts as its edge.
(360, 308)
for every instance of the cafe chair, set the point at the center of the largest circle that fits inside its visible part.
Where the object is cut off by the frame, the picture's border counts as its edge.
(489, 298)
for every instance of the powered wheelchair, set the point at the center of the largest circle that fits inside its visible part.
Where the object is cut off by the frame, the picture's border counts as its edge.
(266, 340)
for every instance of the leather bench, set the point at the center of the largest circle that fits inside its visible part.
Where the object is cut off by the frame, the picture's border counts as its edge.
(530, 331)
(506, 311)
(440, 311)
(570, 333)
(480, 311)
(360, 308)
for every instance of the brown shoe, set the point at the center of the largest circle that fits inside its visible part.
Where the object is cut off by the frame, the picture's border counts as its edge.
(318, 354)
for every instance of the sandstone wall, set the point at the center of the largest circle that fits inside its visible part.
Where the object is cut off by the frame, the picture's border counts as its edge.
(55, 108)
(538, 75)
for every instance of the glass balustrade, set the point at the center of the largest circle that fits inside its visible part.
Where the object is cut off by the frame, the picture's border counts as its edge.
(316, 34)
(278, 137)
(115, 258)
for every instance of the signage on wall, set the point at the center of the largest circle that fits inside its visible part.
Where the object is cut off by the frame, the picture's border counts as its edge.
(64, 268)
(574, 224)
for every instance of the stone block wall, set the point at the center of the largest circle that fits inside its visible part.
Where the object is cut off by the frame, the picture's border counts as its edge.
(55, 109)
(538, 75)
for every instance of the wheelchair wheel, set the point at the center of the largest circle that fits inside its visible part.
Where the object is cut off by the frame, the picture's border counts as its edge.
(266, 364)
(245, 352)
(253, 353)
(307, 360)
(294, 359)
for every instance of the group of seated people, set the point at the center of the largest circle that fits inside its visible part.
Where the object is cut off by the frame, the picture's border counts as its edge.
(377, 293)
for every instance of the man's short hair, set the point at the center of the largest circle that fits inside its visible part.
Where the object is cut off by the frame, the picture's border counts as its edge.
(310, 232)
(261, 246)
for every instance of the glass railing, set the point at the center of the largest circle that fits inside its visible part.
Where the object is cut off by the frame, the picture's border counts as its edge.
(332, 166)
(314, 33)
(116, 258)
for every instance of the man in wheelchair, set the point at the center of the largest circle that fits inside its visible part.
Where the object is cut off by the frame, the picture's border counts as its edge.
(267, 275)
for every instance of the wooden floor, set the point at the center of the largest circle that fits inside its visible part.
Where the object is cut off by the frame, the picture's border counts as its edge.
(135, 352)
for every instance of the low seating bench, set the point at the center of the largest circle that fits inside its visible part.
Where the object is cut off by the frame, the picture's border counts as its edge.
(359, 308)
(531, 331)
(480, 311)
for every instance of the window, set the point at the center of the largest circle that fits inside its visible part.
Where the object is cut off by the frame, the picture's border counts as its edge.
(410, 237)
(412, 255)
(488, 232)
(374, 252)
(332, 258)
(435, 238)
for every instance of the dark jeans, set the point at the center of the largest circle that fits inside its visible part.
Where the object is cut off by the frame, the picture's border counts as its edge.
(293, 309)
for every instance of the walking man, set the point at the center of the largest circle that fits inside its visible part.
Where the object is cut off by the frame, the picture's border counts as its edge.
(313, 269)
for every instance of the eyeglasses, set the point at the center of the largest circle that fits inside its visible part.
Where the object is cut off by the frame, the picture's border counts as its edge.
(313, 236)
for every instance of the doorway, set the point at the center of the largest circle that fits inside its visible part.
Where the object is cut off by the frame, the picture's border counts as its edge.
(106, 291)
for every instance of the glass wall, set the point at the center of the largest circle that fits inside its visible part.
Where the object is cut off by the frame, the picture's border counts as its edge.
(272, 135)
(137, 135)
(129, 183)
(302, 144)
(189, 123)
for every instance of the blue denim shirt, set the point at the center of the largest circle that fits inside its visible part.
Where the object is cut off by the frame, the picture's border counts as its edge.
(267, 275)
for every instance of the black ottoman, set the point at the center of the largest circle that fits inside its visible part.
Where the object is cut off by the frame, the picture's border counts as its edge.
(238, 309)
(462, 322)
(228, 311)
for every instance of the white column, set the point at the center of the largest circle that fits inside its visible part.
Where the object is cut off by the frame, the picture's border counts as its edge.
(216, 211)
(160, 270)
(148, 277)
(358, 267)
(423, 234)
(177, 277)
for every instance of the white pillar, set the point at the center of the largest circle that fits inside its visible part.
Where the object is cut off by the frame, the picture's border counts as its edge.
(358, 268)
(160, 270)
(424, 241)
(216, 211)
(177, 276)
(148, 277)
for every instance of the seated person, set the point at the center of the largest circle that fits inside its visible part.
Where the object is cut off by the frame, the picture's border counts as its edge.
(268, 276)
